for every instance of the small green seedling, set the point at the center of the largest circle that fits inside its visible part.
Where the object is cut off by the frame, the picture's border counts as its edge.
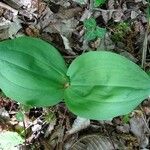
(97, 85)
(126, 119)
(98, 2)
(92, 30)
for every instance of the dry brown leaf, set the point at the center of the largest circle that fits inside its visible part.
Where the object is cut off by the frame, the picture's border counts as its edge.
(79, 124)
(139, 129)
(111, 4)
(86, 14)
(50, 128)
(117, 16)
(93, 142)
(68, 13)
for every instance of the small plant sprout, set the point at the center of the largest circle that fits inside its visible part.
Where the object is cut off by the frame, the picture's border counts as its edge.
(92, 31)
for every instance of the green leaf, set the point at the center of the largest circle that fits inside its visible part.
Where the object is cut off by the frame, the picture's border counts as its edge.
(100, 32)
(92, 30)
(98, 2)
(104, 85)
(90, 35)
(126, 118)
(9, 140)
(32, 71)
(90, 24)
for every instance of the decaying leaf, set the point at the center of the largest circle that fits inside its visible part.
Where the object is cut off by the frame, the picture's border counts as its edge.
(93, 142)
(9, 140)
(50, 128)
(19, 3)
(8, 29)
(79, 124)
(14, 27)
(139, 129)
(80, 1)
(4, 115)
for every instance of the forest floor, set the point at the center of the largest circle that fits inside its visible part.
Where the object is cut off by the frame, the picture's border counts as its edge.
(61, 23)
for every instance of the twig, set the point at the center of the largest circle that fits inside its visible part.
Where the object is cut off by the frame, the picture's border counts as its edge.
(145, 46)
(105, 10)
(144, 51)
(15, 12)
(24, 126)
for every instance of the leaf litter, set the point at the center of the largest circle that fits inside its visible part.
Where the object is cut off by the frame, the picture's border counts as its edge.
(61, 23)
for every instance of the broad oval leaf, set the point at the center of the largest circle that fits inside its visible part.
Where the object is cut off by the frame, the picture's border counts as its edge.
(32, 71)
(104, 85)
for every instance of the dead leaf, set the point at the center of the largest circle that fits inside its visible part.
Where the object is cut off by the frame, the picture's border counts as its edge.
(9, 29)
(139, 129)
(66, 43)
(14, 27)
(86, 14)
(79, 124)
(134, 14)
(124, 128)
(50, 128)
(93, 142)
(19, 3)
(4, 114)
(118, 15)
(68, 13)
(81, 1)
(111, 4)
(63, 27)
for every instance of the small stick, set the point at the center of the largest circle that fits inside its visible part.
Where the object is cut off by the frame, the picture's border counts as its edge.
(144, 120)
(15, 12)
(24, 126)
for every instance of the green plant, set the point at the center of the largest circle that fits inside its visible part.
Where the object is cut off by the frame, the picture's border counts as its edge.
(97, 85)
(92, 30)
(126, 119)
(98, 2)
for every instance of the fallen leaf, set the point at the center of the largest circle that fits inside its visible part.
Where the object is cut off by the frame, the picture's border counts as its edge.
(79, 124)
(93, 142)
(139, 129)
(9, 140)
(50, 128)
(81, 1)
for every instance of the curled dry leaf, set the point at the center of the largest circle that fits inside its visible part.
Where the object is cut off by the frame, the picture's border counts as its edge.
(79, 124)
(66, 43)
